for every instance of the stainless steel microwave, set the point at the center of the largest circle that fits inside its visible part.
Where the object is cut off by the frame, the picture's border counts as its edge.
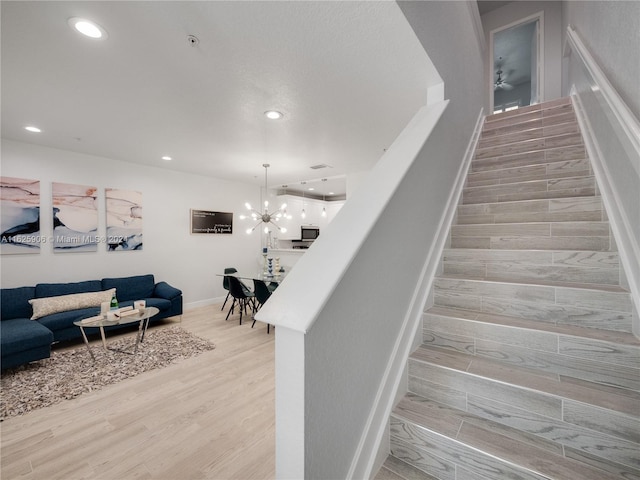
(309, 233)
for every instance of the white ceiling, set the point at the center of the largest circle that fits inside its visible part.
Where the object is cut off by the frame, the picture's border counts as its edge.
(348, 76)
(486, 6)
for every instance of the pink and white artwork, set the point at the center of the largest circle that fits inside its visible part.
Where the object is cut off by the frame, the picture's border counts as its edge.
(75, 218)
(20, 216)
(124, 219)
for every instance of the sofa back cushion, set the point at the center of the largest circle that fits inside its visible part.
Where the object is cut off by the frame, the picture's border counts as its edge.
(131, 288)
(14, 302)
(57, 289)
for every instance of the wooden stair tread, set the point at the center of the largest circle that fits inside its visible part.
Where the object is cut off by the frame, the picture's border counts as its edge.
(518, 449)
(395, 469)
(623, 338)
(486, 207)
(552, 104)
(576, 222)
(472, 188)
(620, 400)
(541, 156)
(530, 132)
(494, 158)
(552, 140)
(488, 255)
(602, 287)
(524, 116)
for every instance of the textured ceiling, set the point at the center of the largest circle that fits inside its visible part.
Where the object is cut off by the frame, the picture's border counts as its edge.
(347, 75)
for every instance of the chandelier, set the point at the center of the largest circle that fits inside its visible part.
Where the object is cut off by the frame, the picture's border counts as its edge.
(264, 216)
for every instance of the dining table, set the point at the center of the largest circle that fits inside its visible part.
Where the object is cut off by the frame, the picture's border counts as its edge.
(272, 280)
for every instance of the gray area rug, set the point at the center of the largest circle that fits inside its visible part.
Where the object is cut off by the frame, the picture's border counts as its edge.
(70, 373)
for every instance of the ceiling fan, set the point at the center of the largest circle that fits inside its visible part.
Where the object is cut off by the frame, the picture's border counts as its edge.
(500, 81)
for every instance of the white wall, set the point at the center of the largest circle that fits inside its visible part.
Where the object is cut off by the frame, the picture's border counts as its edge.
(170, 252)
(610, 125)
(513, 12)
(611, 31)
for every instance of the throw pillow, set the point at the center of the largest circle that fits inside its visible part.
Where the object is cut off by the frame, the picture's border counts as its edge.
(63, 303)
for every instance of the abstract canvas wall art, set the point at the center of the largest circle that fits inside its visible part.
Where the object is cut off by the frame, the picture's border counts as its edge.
(124, 219)
(75, 218)
(20, 215)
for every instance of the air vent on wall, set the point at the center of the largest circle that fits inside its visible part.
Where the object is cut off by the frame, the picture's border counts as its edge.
(319, 166)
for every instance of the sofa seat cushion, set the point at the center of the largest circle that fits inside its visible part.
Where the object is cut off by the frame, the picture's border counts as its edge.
(137, 287)
(62, 320)
(20, 334)
(57, 289)
(15, 302)
(64, 303)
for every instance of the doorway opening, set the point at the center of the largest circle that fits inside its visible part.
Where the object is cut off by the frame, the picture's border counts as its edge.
(517, 63)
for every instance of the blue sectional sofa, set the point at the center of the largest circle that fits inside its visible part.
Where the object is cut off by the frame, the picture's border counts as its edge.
(55, 306)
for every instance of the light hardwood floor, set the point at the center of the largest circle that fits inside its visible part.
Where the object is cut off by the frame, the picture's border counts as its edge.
(207, 417)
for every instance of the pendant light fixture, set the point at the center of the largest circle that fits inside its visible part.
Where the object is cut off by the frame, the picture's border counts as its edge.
(303, 214)
(264, 216)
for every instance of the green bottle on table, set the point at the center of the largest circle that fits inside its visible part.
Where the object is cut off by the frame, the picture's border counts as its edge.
(114, 302)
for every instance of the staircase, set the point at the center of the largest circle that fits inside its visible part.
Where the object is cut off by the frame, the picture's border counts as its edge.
(528, 368)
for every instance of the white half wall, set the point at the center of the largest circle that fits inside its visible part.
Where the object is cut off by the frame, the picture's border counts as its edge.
(357, 295)
(170, 252)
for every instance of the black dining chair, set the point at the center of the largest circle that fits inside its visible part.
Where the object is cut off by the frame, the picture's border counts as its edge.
(262, 293)
(242, 296)
(225, 284)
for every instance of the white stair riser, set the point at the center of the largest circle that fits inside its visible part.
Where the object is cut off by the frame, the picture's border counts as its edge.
(551, 413)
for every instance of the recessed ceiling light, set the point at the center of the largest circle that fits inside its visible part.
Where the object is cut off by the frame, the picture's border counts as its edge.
(167, 158)
(273, 115)
(87, 28)
(311, 188)
(330, 193)
(32, 129)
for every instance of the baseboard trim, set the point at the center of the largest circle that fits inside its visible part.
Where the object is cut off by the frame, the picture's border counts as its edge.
(203, 303)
